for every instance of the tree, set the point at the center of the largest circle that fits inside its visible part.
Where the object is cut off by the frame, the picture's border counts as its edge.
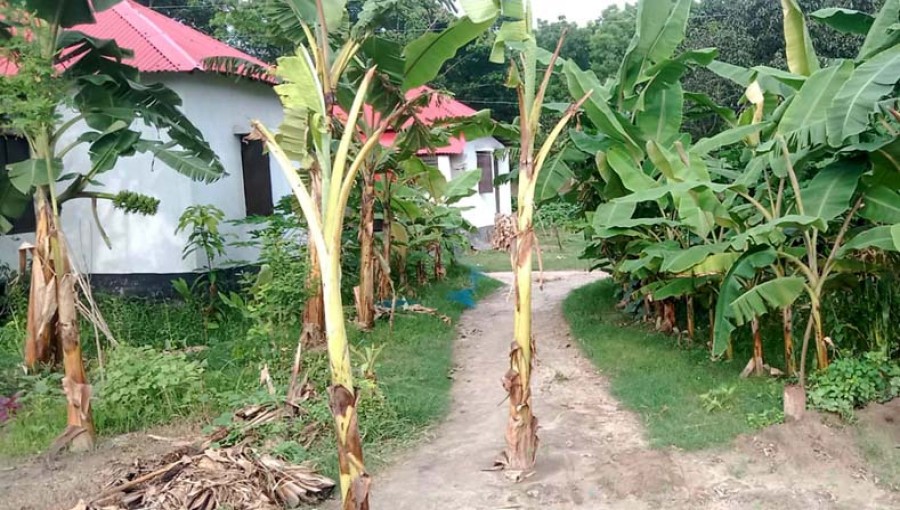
(316, 136)
(65, 78)
(750, 33)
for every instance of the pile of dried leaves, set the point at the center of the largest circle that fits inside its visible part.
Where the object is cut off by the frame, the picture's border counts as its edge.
(209, 479)
(503, 237)
(206, 478)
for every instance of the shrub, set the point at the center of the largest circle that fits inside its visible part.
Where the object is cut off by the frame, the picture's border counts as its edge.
(851, 383)
(141, 386)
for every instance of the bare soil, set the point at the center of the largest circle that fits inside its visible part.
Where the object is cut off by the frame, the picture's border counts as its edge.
(593, 453)
(58, 484)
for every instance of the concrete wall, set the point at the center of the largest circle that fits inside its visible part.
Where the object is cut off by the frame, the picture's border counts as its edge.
(481, 208)
(221, 108)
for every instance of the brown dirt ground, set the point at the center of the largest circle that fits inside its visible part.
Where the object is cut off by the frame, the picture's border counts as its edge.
(593, 453)
(58, 484)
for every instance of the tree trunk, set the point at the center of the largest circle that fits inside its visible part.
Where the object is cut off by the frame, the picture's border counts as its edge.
(314, 311)
(439, 270)
(821, 346)
(384, 274)
(521, 430)
(53, 320)
(365, 304)
(690, 317)
(787, 319)
(343, 398)
(758, 364)
(41, 345)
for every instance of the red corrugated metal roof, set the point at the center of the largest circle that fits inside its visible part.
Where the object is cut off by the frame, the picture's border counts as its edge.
(160, 44)
(440, 107)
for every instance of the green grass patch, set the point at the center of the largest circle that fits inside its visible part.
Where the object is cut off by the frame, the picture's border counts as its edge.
(558, 254)
(684, 399)
(412, 392)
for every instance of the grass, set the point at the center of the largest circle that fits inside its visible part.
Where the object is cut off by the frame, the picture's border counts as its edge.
(413, 385)
(684, 399)
(879, 447)
(554, 257)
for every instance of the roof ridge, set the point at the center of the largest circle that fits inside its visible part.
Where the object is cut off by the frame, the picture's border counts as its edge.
(158, 31)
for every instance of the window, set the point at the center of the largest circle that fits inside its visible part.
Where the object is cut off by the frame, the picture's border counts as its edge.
(12, 150)
(486, 165)
(257, 178)
(430, 160)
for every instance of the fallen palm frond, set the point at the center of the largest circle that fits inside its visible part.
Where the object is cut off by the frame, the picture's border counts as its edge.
(205, 480)
(382, 311)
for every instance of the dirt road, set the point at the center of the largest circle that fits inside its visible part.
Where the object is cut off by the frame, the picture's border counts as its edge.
(593, 453)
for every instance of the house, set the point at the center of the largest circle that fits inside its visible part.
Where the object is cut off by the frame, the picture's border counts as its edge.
(146, 250)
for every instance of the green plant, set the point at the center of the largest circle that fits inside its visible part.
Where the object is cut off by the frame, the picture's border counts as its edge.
(765, 418)
(141, 386)
(201, 222)
(851, 383)
(718, 399)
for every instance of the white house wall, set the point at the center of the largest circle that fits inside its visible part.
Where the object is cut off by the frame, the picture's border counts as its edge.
(481, 208)
(221, 108)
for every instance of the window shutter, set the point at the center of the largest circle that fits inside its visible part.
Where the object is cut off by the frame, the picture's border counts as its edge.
(486, 165)
(257, 179)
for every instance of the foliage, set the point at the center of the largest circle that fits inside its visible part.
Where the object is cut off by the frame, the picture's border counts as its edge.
(269, 296)
(851, 383)
(96, 87)
(140, 380)
(201, 223)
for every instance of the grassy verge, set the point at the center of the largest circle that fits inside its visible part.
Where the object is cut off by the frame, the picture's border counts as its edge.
(412, 389)
(558, 254)
(684, 399)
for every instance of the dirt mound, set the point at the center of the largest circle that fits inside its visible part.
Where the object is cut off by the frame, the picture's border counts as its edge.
(640, 473)
(815, 443)
(883, 417)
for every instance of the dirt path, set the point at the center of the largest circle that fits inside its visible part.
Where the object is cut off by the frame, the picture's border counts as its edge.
(593, 453)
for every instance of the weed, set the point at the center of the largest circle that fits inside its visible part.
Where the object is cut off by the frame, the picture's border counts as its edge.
(851, 383)
(718, 399)
(141, 386)
(765, 418)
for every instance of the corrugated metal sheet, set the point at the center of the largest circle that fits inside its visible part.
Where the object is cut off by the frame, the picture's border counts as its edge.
(160, 44)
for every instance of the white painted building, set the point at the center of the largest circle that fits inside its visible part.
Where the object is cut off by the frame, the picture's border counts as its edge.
(221, 107)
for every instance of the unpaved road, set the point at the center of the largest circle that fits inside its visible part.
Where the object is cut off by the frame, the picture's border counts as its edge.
(592, 453)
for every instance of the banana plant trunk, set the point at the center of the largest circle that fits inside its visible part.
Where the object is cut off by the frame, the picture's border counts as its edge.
(384, 274)
(343, 397)
(787, 320)
(758, 364)
(53, 321)
(41, 345)
(314, 309)
(690, 317)
(821, 345)
(521, 430)
(365, 304)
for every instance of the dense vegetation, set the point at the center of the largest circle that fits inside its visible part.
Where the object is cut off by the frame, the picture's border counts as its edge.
(734, 169)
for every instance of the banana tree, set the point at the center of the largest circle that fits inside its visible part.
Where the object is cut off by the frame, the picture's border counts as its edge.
(516, 36)
(832, 124)
(312, 137)
(65, 80)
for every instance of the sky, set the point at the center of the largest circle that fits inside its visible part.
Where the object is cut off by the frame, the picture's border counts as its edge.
(579, 11)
